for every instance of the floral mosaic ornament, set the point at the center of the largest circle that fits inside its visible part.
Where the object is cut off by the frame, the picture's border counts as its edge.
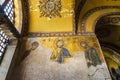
(50, 8)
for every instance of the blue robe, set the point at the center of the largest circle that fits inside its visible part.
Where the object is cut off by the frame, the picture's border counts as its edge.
(64, 53)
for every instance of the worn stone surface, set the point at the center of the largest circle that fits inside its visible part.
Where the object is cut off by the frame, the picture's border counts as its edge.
(38, 66)
(6, 62)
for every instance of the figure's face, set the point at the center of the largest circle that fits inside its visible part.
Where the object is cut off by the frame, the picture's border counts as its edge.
(35, 45)
(83, 44)
(60, 43)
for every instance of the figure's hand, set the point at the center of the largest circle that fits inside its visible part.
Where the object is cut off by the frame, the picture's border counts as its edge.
(88, 61)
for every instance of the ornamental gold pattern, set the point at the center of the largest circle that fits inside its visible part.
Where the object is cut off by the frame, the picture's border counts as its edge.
(50, 8)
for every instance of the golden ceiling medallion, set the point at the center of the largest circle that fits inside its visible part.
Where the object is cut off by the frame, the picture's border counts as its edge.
(50, 8)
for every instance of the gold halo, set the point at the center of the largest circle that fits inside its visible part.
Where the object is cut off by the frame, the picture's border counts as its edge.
(56, 40)
(81, 40)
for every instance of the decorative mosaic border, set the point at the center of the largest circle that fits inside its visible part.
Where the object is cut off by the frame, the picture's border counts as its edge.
(73, 20)
(110, 20)
(32, 34)
(58, 34)
(107, 14)
(25, 11)
(91, 11)
(78, 12)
